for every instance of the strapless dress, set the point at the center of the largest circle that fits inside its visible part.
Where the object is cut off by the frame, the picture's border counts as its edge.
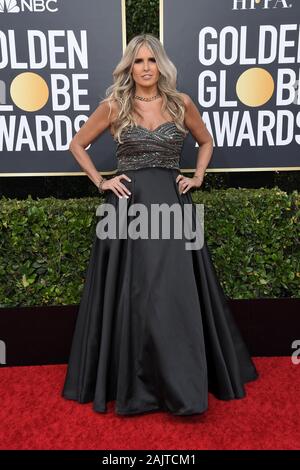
(154, 330)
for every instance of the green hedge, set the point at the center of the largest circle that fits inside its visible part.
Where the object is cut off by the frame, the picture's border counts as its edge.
(253, 236)
(142, 16)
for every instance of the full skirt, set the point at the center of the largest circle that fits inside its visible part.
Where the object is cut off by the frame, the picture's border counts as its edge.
(154, 330)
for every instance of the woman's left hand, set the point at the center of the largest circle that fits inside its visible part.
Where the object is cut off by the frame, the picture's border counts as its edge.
(186, 183)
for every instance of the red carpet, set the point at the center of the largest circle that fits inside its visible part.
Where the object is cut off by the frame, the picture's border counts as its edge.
(34, 416)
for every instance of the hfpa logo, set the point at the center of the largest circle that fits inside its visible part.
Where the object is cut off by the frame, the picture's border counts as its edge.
(14, 6)
(264, 4)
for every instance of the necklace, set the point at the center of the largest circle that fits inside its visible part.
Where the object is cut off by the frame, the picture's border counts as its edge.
(146, 99)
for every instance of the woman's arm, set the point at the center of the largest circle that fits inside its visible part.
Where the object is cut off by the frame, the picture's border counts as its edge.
(98, 121)
(197, 127)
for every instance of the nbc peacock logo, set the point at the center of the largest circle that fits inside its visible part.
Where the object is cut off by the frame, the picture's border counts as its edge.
(9, 6)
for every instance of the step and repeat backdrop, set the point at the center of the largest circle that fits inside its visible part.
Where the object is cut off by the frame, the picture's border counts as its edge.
(56, 61)
(237, 59)
(240, 62)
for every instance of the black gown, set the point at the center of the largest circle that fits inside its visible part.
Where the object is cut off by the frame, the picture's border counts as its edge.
(154, 330)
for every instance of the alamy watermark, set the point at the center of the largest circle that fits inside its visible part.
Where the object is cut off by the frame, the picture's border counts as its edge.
(159, 221)
(296, 354)
(2, 352)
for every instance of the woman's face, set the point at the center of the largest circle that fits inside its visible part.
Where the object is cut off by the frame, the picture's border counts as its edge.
(145, 71)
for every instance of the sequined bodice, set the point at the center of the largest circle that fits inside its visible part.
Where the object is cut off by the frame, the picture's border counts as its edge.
(142, 147)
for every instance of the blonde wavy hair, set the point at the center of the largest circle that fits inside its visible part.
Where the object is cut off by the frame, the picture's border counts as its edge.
(122, 90)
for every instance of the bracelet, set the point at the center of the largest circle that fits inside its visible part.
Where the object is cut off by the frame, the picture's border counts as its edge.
(198, 176)
(101, 191)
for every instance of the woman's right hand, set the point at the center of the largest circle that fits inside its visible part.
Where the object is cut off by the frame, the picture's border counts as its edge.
(115, 185)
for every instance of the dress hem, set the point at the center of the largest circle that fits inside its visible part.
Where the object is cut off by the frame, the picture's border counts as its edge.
(118, 411)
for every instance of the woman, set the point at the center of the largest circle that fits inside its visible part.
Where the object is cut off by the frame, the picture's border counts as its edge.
(154, 331)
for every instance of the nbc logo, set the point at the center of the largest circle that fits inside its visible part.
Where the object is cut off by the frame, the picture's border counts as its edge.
(14, 6)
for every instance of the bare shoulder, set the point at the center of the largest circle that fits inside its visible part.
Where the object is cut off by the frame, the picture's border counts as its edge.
(110, 108)
(194, 122)
(187, 99)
